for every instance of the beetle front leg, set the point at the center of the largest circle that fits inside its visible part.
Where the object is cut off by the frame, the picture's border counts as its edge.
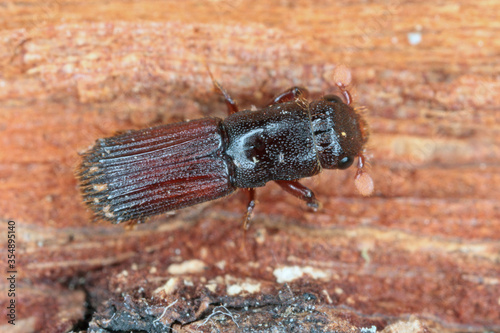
(300, 191)
(290, 95)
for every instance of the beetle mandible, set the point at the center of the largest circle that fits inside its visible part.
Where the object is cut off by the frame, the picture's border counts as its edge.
(146, 172)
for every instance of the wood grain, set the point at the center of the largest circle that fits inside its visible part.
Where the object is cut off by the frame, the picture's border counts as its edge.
(425, 244)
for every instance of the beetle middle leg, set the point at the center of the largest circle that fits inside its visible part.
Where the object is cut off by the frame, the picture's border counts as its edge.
(294, 187)
(290, 95)
(300, 191)
(232, 107)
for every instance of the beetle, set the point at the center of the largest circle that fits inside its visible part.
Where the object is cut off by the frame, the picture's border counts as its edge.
(141, 173)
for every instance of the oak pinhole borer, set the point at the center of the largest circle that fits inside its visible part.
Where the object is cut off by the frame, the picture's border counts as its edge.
(146, 172)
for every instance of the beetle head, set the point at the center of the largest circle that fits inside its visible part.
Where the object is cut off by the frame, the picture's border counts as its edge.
(340, 134)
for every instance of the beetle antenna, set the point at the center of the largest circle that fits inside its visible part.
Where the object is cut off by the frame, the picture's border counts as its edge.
(363, 181)
(342, 78)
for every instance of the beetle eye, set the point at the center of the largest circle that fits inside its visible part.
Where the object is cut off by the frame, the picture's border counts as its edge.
(333, 98)
(345, 162)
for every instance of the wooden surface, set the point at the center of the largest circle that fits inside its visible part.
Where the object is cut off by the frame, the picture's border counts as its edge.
(425, 245)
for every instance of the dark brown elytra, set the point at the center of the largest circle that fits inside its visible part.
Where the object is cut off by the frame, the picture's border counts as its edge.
(146, 172)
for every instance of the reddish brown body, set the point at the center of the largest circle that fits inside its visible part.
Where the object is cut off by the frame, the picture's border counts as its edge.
(146, 172)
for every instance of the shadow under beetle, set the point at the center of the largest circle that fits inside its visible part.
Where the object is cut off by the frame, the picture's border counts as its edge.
(146, 172)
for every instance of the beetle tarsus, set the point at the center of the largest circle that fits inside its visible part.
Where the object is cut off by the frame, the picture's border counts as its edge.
(250, 207)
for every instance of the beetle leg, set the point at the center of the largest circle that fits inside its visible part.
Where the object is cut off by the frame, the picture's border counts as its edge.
(250, 207)
(290, 95)
(300, 191)
(232, 107)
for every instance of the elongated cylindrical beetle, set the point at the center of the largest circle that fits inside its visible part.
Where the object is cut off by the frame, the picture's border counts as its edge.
(146, 172)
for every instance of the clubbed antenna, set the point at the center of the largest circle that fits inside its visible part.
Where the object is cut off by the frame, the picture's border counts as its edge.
(342, 78)
(362, 180)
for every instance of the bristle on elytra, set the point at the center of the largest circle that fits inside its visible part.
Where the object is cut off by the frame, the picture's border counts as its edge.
(138, 174)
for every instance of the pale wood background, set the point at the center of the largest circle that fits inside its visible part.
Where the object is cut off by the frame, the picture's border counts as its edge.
(427, 243)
